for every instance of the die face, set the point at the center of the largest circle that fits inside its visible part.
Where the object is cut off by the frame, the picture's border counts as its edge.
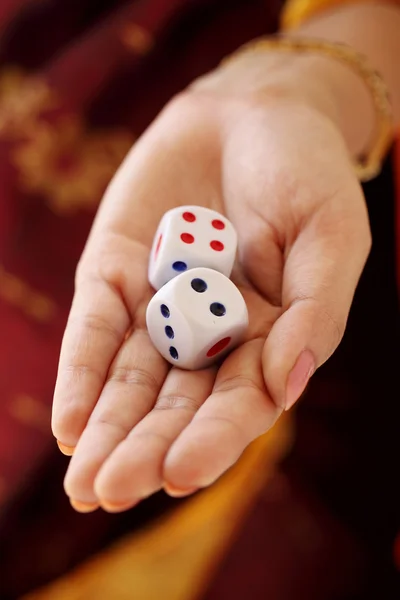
(209, 300)
(217, 346)
(190, 237)
(207, 314)
(169, 330)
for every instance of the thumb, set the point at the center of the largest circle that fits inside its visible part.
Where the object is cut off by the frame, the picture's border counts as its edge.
(321, 273)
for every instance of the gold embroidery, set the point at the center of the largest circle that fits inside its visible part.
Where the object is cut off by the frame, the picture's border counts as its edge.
(40, 308)
(59, 160)
(136, 38)
(22, 101)
(30, 411)
(19, 294)
(69, 168)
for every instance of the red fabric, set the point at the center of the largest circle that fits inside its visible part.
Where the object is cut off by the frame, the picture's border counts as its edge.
(92, 76)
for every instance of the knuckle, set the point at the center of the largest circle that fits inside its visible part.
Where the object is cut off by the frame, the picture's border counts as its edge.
(135, 377)
(236, 382)
(109, 419)
(335, 327)
(77, 371)
(91, 323)
(175, 401)
(237, 428)
(149, 435)
(330, 324)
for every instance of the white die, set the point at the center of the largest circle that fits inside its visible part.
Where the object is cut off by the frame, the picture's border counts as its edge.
(189, 237)
(196, 318)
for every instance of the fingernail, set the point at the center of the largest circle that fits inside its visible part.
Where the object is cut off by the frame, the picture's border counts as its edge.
(176, 492)
(299, 377)
(117, 508)
(67, 450)
(83, 507)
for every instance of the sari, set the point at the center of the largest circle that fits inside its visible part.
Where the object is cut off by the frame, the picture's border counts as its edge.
(79, 82)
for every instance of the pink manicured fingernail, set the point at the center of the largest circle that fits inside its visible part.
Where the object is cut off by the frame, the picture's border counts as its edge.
(176, 492)
(299, 377)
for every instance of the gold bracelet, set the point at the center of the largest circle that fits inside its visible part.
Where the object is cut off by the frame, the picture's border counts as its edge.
(367, 167)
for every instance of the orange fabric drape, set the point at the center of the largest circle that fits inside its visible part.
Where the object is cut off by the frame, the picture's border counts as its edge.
(297, 11)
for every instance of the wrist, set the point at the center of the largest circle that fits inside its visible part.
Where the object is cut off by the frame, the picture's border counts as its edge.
(341, 94)
(319, 82)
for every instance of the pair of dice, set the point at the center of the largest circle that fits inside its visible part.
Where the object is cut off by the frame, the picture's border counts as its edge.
(197, 314)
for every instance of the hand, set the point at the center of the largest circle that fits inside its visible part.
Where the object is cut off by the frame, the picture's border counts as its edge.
(278, 167)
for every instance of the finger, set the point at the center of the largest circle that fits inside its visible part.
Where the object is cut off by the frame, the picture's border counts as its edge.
(99, 318)
(238, 411)
(134, 469)
(90, 342)
(133, 384)
(320, 277)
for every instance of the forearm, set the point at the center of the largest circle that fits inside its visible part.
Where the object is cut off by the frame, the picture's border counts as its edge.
(374, 30)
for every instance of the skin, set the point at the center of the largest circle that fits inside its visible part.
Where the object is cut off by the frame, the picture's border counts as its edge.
(268, 141)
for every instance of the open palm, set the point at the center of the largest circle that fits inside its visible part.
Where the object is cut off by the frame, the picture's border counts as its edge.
(137, 425)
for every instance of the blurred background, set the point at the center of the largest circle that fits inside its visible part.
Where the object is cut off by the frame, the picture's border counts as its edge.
(309, 511)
